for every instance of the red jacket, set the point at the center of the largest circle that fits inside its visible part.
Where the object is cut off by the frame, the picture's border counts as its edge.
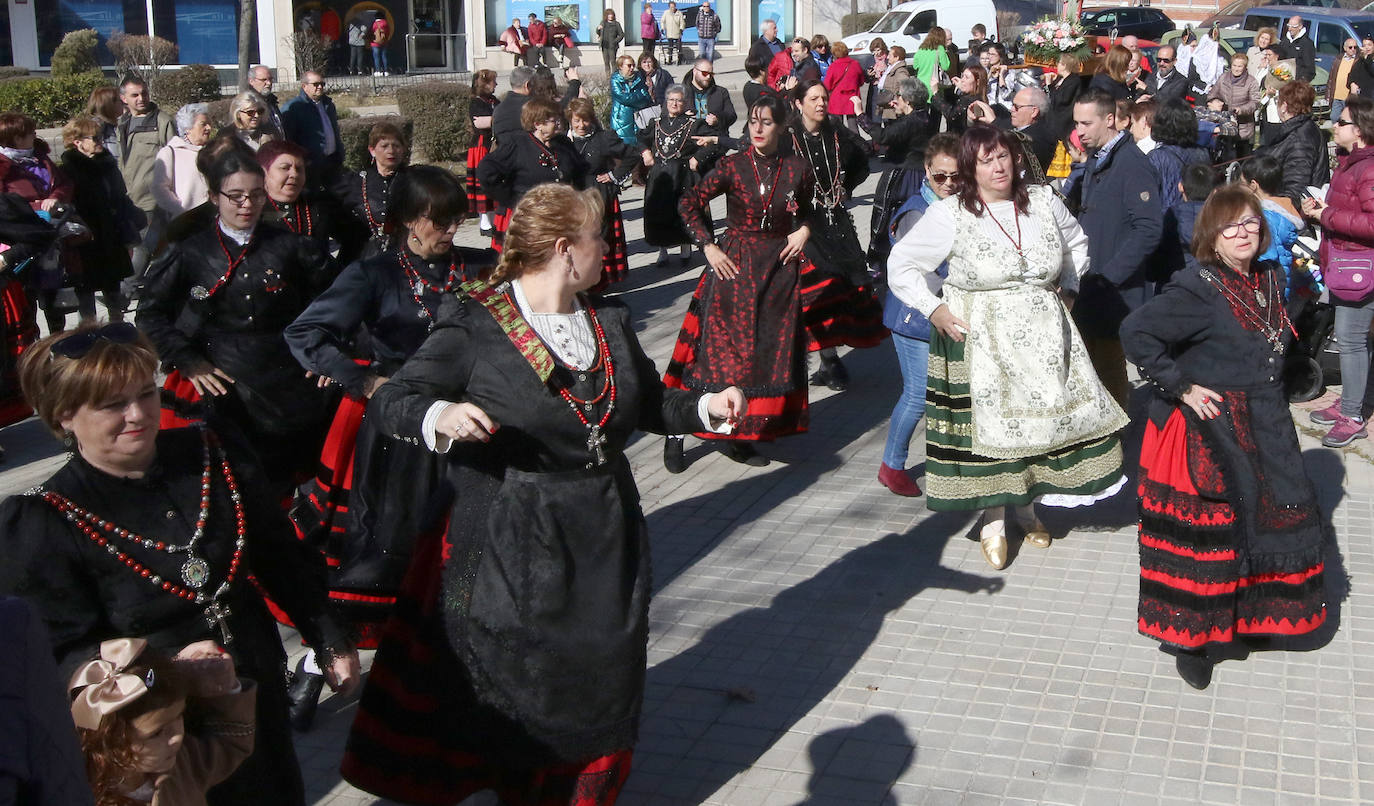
(843, 80)
(539, 34)
(780, 68)
(1348, 220)
(17, 179)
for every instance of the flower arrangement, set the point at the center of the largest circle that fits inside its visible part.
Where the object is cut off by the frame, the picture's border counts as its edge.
(1282, 73)
(1045, 40)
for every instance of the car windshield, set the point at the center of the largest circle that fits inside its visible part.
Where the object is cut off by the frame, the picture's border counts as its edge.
(1090, 17)
(890, 23)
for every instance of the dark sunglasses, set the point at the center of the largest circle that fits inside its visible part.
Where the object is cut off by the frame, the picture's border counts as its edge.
(1344, 123)
(940, 179)
(1165, 61)
(79, 344)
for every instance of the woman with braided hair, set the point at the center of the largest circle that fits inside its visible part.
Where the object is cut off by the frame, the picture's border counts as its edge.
(528, 683)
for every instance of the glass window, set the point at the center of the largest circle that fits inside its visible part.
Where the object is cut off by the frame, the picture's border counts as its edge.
(921, 23)
(107, 17)
(781, 11)
(1330, 38)
(891, 22)
(205, 31)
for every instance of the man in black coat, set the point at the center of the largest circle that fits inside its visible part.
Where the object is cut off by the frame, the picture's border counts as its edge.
(767, 45)
(310, 121)
(1030, 107)
(1165, 82)
(804, 67)
(506, 118)
(1297, 45)
(1122, 218)
(707, 100)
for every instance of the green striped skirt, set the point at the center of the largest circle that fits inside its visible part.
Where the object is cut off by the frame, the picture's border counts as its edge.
(958, 479)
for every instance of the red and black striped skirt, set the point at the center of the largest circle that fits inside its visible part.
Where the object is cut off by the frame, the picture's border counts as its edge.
(615, 266)
(478, 202)
(397, 747)
(836, 312)
(499, 224)
(1201, 582)
(21, 330)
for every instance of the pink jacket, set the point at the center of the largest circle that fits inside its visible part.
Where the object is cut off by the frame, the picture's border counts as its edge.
(648, 26)
(1348, 220)
(843, 80)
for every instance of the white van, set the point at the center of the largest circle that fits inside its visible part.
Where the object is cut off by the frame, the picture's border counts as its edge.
(908, 23)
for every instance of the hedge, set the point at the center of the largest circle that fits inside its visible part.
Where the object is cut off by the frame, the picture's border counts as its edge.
(194, 83)
(443, 126)
(50, 101)
(76, 54)
(8, 72)
(354, 132)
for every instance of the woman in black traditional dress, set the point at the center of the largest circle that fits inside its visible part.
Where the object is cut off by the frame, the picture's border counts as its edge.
(838, 303)
(519, 163)
(283, 165)
(365, 193)
(743, 326)
(669, 149)
(529, 681)
(155, 535)
(480, 110)
(238, 285)
(610, 161)
(374, 491)
(1232, 544)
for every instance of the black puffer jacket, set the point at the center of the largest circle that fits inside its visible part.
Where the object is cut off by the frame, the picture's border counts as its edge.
(1300, 147)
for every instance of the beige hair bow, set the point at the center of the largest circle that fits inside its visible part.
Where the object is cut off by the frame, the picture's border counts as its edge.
(102, 686)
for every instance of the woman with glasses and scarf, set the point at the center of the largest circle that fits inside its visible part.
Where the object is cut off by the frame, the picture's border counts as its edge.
(159, 534)
(365, 507)
(215, 305)
(1232, 543)
(249, 122)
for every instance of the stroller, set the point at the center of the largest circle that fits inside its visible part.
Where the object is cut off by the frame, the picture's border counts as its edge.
(27, 241)
(1313, 361)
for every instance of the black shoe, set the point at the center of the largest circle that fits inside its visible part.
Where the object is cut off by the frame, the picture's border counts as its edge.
(743, 453)
(1195, 669)
(839, 375)
(673, 459)
(303, 690)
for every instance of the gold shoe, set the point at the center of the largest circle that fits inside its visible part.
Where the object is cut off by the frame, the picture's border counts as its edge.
(1036, 533)
(993, 540)
(1039, 537)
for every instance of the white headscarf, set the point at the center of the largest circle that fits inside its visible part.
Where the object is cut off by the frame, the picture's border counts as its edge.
(1207, 59)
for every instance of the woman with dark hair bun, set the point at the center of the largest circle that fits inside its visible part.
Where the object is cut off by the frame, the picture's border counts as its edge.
(838, 304)
(1175, 134)
(1232, 543)
(238, 285)
(1015, 414)
(373, 491)
(743, 326)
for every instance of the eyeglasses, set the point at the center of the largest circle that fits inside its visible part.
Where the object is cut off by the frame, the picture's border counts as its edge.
(705, 72)
(1162, 60)
(1352, 47)
(240, 198)
(252, 113)
(1015, 106)
(1249, 225)
(314, 83)
(940, 179)
(79, 344)
(1343, 123)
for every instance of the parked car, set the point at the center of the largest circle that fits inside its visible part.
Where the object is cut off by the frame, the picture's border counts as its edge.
(907, 24)
(1239, 40)
(1327, 27)
(1148, 23)
(1233, 14)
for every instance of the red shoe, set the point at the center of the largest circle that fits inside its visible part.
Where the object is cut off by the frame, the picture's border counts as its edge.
(898, 481)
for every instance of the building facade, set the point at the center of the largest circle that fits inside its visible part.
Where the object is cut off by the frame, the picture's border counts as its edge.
(428, 35)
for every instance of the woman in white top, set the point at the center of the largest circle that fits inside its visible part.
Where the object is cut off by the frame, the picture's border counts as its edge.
(1015, 413)
(177, 184)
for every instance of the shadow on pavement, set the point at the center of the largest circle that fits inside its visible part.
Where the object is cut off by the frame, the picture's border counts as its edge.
(720, 704)
(859, 764)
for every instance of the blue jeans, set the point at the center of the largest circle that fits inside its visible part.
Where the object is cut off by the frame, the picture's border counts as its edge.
(706, 48)
(912, 357)
(1336, 107)
(1352, 338)
(379, 60)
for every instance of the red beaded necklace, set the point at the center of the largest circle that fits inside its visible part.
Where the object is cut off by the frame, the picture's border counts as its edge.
(200, 292)
(777, 169)
(195, 571)
(595, 439)
(304, 224)
(418, 283)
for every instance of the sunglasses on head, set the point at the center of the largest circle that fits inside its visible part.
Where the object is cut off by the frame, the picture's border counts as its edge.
(79, 344)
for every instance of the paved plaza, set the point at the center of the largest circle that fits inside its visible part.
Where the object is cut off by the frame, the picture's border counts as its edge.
(818, 640)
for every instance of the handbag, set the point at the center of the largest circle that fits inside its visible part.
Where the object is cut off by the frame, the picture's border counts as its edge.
(646, 116)
(1349, 273)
